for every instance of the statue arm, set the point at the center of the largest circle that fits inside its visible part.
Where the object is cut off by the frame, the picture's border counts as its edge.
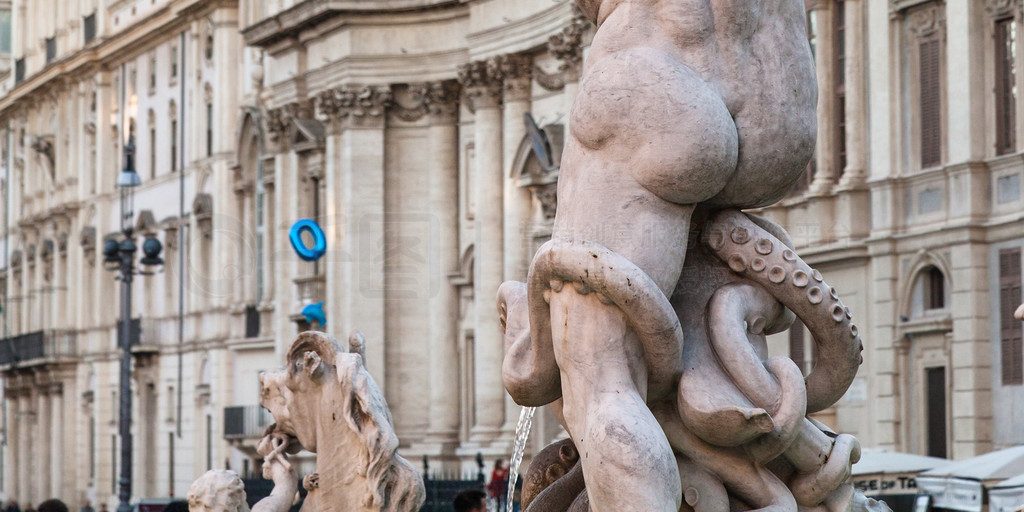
(277, 468)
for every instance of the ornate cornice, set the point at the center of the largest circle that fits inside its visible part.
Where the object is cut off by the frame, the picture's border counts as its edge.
(354, 106)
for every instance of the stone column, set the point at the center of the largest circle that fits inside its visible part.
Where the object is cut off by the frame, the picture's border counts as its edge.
(854, 175)
(965, 70)
(516, 76)
(441, 101)
(483, 91)
(278, 126)
(57, 455)
(13, 440)
(515, 72)
(356, 186)
(825, 173)
(41, 447)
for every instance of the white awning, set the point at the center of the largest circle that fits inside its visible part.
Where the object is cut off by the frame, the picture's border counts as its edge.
(962, 485)
(1007, 496)
(881, 473)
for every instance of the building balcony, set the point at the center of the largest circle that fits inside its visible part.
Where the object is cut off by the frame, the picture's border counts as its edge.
(37, 348)
(310, 289)
(245, 422)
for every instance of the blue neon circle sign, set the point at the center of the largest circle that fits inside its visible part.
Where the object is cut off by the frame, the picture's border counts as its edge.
(319, 240)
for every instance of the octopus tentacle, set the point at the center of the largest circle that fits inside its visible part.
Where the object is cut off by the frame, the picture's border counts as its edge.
(592, 267)
(528, 371)
(753, 252)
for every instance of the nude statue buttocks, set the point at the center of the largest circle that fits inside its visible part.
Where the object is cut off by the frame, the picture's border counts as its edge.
(682, 103)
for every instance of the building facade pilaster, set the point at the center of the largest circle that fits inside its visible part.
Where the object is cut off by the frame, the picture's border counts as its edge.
(356, 210)
(483, 91)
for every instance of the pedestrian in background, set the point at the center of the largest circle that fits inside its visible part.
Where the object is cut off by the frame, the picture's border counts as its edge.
(53, 505)
(87, 507)
(12, 506)
(472, 500)
(498, 486)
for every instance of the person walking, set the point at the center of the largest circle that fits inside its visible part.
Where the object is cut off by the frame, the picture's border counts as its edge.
(498, 486)
(87, 507)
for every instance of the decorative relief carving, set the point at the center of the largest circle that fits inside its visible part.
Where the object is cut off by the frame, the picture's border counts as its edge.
(1000, 8)
(354, 106)
(439, 100)
(279, 120)
(567, 47)
(927, 20)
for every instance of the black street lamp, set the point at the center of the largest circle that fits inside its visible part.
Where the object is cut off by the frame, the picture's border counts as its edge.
(119, 257)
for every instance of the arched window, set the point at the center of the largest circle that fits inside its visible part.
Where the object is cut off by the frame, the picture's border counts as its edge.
(930, 293)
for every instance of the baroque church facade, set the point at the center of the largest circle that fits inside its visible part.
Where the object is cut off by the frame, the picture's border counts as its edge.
(405, 130)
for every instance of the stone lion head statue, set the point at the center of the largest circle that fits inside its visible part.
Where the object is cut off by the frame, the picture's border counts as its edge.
(217, 490)
(325, 395)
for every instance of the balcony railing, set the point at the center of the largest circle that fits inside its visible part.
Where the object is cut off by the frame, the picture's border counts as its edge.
(246, 422)
(37, 347)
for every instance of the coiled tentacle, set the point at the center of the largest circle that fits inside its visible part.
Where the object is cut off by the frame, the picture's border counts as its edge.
(594, 268)
(756, 254)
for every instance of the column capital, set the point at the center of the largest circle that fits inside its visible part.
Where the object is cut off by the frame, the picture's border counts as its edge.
(353, 106)
(278, 121)
(481, 87)
(516, 74)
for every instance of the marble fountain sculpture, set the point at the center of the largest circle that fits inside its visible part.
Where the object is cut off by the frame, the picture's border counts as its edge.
(642, 322)
(324, 401)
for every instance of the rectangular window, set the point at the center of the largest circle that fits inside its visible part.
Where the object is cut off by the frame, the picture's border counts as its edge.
(1006, 85)
(89, 27)
(209, 129)
(174, 145)
(5, 32)
(19, 70)
(174, 62)
(930, 102)
(1011, 354)
(936, 411)
(152, 71)
(839, 69)
(51, 49)
(152, 151)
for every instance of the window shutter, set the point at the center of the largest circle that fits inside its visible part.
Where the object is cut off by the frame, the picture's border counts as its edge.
(931, 103)
(839, 68)
(1006, 78)
(1011, 351)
